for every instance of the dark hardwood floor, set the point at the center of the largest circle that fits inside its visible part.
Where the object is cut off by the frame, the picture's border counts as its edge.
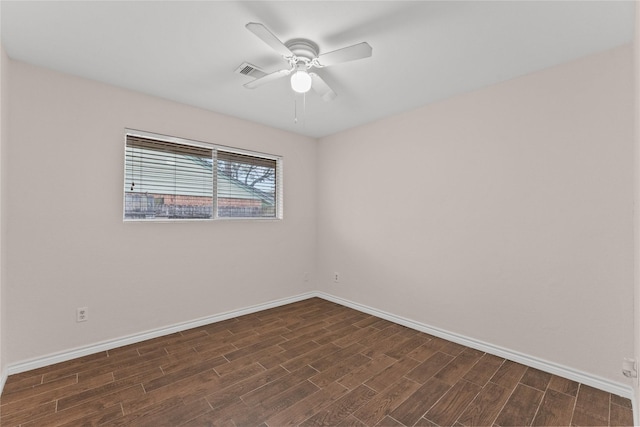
(309, 363)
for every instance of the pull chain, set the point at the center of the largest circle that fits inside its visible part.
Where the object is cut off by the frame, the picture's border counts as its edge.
(295, 108)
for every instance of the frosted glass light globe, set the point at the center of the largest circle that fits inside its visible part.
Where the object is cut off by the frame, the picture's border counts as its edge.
(301, 81)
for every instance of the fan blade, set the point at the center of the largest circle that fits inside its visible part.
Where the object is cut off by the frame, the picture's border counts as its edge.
(322, 88)
(350, 53)
(267, 36)
(266, 79)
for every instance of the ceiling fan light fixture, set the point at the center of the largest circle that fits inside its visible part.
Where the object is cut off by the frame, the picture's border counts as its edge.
(301, 81)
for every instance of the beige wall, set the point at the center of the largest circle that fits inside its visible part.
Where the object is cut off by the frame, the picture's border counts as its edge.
(4, 126)
(504, 215)
(67, 246)
(636, 216)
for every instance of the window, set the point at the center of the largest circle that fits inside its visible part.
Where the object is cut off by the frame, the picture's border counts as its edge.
(167, 180)
(171, 178)
(246, 185)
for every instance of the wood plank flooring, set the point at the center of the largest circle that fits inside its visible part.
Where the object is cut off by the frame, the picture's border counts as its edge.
(309, 363)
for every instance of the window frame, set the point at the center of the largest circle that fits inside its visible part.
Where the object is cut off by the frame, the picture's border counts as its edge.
(279, 206)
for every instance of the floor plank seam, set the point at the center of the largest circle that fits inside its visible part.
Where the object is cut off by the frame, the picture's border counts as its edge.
(609, 407)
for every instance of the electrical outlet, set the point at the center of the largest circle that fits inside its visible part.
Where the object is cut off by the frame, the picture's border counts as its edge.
(336, 277)
(82, 314)
(306, 276)
(629, 368)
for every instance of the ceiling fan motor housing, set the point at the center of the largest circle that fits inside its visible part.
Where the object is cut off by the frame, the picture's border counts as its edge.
(303, 49)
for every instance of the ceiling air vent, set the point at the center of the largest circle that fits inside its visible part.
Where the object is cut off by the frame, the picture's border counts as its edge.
(247, 69)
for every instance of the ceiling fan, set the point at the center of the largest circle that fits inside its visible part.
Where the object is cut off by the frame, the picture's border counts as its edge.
(302, 55)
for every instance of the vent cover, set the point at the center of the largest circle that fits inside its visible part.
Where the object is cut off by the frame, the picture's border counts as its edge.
(247, 69)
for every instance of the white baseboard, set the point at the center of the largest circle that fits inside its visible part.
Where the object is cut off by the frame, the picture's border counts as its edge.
(3, 380)
(132, 339)
(550, 367)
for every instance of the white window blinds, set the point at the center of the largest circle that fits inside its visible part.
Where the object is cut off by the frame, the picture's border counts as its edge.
(172, 178)
(247, 186)
(167, 180)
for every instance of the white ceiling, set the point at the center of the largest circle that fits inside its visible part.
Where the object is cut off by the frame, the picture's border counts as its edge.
(423, 51)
